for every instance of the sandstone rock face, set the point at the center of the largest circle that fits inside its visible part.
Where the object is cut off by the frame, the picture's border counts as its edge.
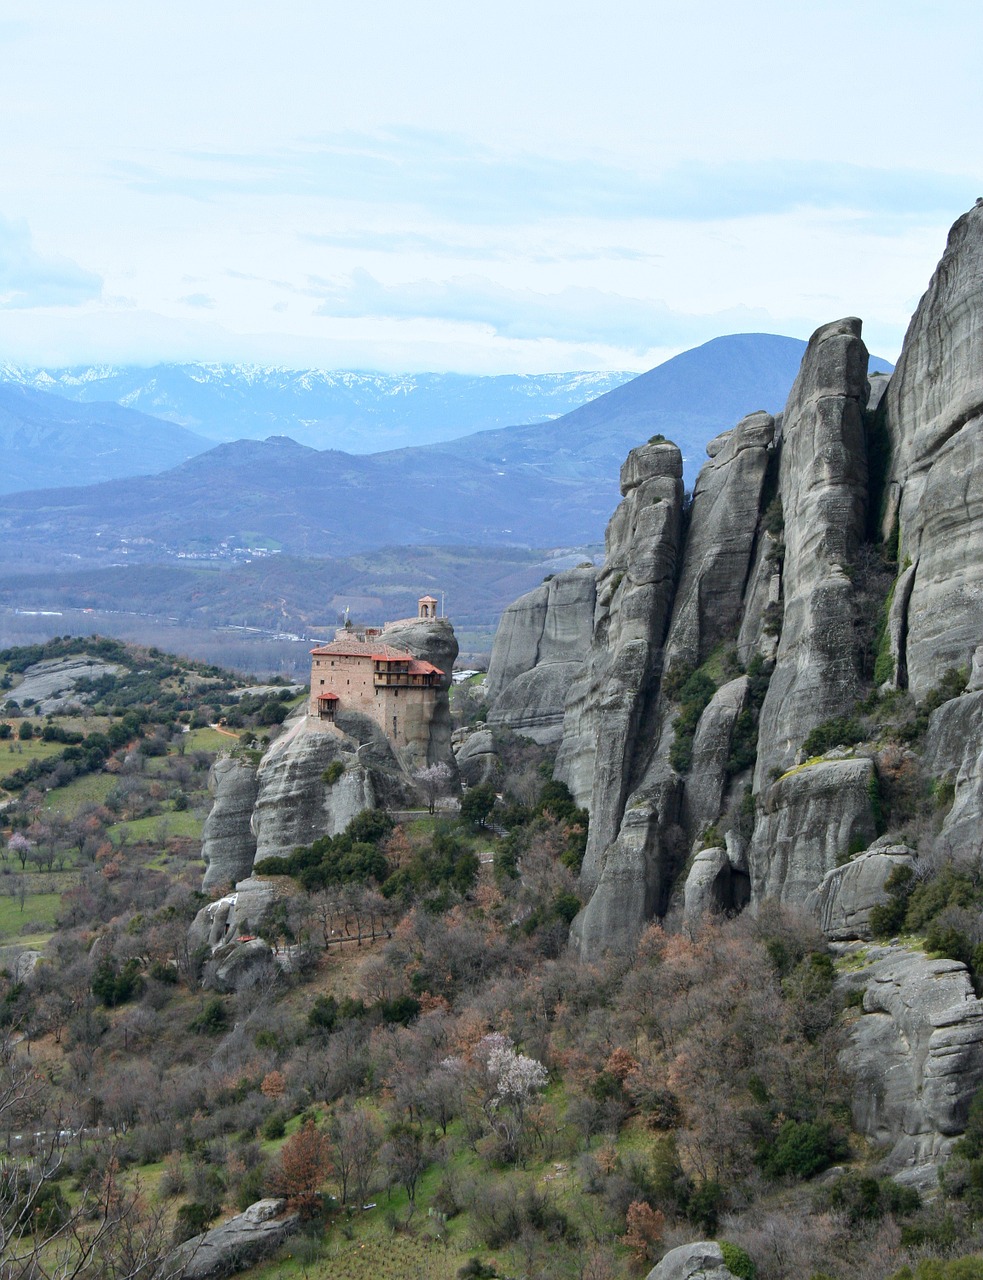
(823, 487)
(811, 816)
(916, 1053)
(477, 760)
(708, 885)
(933, 413)
(235, 1244)
(294, 805)
(844, 898)
(954, 751)
(228, 846)
(723, 526)
(700, 1261)
(610, 703)
(708, 777)
(787, 594)
(540, 645)
(433, 640)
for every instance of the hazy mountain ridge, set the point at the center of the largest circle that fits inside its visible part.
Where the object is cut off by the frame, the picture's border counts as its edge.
(45, 439)
(360, 412)
(553, 484)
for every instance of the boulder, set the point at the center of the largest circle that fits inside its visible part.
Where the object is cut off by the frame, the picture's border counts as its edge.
(237, 965)
(239, 912)
(844, 898)
(707, 889)
(810, 818)
(915, 1053)
(823, 488)
(702, 1260)
(236, 1244)
(228, 846)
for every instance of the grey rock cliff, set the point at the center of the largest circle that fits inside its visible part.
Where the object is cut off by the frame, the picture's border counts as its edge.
(609, 703)
(294, 805)
(823, 488)
(954, 752)
(228, 846)
(845, 897)
(720, 545)
(916, 1053)
(933, 416)
(540, 646)
(811, 817)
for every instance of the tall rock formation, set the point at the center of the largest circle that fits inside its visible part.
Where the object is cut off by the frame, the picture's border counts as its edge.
(933, 419)
(823, 492)
(540, 645)
(664, 737)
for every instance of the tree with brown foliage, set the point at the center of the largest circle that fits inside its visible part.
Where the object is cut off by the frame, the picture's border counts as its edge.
(305, 1162)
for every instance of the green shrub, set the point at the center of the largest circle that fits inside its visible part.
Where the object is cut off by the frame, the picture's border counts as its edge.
(274, 1126)
(738, 1261)
(211, 1020)
(888, 918)
(802, 1149)
(192, 1220)
(840, 731)
(694, 696)
(332, 773)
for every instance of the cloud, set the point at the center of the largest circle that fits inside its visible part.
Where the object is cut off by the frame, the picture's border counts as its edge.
(29, 279)
(485, 248)
(571, 315)
(457, 178)
(204, 300)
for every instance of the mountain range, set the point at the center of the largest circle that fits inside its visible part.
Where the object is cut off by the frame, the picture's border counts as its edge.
(46, 440)
(354, 411)
(552, 484)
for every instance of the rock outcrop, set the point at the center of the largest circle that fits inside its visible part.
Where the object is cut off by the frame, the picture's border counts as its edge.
(540, 645)
(823, 491)
(703, 1260)
(228, 846)
(915, 1054)
(433, 640)
(236, 1244)
(845, 897)
(812, 817)
(954, 753)
(932, 414)
(477, 759)
(295, 804)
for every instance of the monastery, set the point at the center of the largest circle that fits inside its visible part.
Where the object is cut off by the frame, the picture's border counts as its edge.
(358, 671)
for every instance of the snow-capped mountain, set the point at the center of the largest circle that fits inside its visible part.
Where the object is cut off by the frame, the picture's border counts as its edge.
(359, 412)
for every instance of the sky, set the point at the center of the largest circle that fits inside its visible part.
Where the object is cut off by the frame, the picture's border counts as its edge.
(505, 188)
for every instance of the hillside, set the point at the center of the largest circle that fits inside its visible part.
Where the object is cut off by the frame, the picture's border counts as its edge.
(45, 440)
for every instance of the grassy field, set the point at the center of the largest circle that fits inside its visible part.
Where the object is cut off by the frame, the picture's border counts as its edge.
(15, 754)
(159, 826)
(92, 788)
(39, 912)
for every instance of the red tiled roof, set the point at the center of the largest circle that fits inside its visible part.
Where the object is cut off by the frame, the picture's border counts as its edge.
(328, 697)
(350, 648)
(420, 668)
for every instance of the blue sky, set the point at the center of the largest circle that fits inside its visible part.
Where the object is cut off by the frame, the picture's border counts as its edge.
(434, 185)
